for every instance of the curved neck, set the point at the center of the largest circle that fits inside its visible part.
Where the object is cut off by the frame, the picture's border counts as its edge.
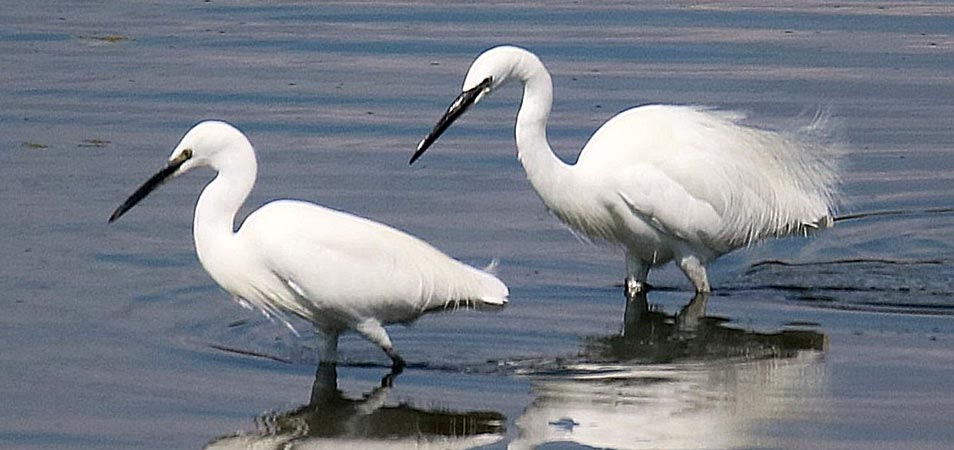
(214, 223)
(544, 169)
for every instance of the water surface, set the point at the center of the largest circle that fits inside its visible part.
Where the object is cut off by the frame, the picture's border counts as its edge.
(114, 337)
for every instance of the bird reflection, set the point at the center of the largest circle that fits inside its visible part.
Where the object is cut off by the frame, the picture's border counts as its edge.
(652, 336)
(680, 380)
(332, 420)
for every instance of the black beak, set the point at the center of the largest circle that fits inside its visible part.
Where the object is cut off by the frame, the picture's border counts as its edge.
(464, 101)
(151, 184)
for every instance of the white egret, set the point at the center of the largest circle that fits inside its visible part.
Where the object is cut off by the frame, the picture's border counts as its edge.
(664, 182)
(336, 270)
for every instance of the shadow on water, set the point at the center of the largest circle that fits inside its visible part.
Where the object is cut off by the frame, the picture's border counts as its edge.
(652, 336)
(332, 420)
(680, 380)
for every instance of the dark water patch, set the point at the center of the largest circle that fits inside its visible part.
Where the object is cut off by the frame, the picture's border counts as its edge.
(258, 338)
(146, 260)
(213, 356)
(106, 38)
(182, 294)
(629, 15)
(754, 268)
(60, 439)
(802, 323)
(251, 353)
(33, 145)
(895, 213)
(924, 286)
(22, 37)
(93, 143)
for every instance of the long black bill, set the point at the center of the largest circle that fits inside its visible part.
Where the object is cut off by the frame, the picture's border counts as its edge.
(463, 101)
(150, 185)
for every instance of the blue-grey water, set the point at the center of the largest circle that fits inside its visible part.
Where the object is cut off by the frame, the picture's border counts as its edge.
(114, 337)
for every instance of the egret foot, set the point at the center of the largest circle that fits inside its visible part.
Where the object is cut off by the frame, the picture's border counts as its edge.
(691, 315)
(388, 380)
(325, 386)
(398, 363)
(636, 313)
(634, 288)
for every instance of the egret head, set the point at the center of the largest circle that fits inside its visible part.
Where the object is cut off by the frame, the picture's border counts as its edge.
(492, 69)
(203, 145)
(206, 144)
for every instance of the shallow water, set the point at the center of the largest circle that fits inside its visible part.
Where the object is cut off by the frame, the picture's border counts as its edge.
(114, 337)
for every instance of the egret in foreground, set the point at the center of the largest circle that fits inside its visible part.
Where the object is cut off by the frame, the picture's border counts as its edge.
(338, 271)
(666, 183)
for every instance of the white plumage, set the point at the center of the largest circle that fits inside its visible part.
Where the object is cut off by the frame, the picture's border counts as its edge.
(336, 270)
(664, 182)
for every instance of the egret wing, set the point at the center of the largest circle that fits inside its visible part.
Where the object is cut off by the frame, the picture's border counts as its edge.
(667, 205)
(729, 183)
(359, 268)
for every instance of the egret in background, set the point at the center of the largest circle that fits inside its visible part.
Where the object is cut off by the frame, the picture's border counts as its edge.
(338, 271)
(666, 183)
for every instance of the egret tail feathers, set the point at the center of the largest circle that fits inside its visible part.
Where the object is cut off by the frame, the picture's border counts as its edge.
(491, 268)
(494, 294)
(494, 301)
(489, 289)
(485, 292)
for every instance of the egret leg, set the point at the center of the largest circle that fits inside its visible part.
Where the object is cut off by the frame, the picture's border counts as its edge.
(637, 271)
(388, 380)
(373, 330)
(327, 346)
(695, 270)
(325, 387)
(691, 315)
(635, 315)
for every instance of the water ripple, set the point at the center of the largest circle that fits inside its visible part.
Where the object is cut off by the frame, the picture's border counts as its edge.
(917, 286)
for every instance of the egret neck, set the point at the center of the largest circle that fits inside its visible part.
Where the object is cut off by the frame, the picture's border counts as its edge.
(214, 225)
(547, 173)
